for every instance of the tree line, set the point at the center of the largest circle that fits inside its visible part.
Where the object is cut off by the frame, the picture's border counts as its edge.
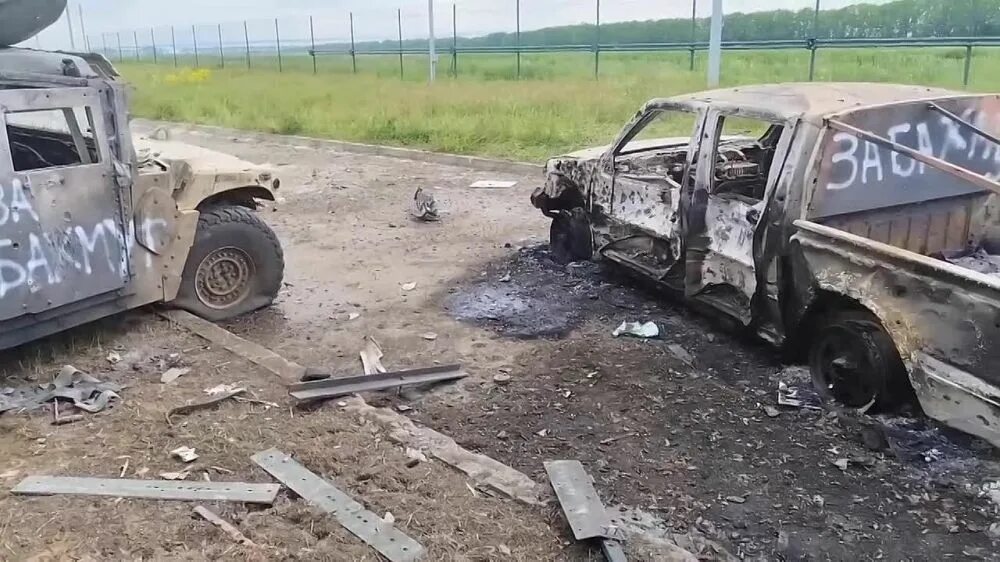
(901, 18)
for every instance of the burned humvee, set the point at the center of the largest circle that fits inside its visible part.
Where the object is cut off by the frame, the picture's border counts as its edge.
(90, 225)
(856, 225)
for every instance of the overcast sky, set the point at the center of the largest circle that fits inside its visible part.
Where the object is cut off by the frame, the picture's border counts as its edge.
(374, 19)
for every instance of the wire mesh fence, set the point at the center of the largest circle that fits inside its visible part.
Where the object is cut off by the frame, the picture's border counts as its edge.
(500, 36)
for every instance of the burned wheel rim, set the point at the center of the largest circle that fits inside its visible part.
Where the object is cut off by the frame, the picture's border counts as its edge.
(846, 368)
(224, 277)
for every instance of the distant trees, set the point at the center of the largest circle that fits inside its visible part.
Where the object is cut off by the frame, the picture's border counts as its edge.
(902, 18)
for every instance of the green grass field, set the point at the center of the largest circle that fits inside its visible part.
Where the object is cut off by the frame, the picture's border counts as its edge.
(556, 106)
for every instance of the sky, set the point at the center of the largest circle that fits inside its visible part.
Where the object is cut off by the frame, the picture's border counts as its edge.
(148, 20)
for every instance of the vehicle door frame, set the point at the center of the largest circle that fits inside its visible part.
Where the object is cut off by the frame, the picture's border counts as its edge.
(43, 181)
(698, 233)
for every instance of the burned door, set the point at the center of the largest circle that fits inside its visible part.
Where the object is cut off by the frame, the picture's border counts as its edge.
(650, 162)
(726, 205)
(62, 238)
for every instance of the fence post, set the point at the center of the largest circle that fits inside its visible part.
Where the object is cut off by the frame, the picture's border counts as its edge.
(69, 22)
(222, 52)
(312, 41)
(173, 41)
(454, 40)
(135, 41)
(812, 46)
(354, 57)
(715, 45)
(968, 65)
(83, 29)
(399, 22)
(194, 37)
(104, 42)
(246, 39)
(152, 40)
(517, 4)
(597, 42)
(277, 40)
(694, 29)
(121, 56)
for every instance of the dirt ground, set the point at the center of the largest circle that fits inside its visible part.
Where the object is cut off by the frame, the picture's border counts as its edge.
(682, 433)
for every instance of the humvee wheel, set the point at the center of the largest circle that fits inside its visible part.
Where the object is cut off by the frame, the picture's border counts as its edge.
(854, 361)
(235, 265)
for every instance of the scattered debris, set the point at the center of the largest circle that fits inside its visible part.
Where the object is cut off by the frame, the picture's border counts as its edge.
(182, 475)
(221, 389)
(332, 388)
(371, 357)
(492, 184)
(611, 440)
(429, 336)
(771, 411)
(501, 378)
(506, 278)
(367, 526)
(188, 408)
(389, 518)
(789, 396)
(403, 408)
(637, 329)
(842, 464)
(84, 391)
(221, 523)
(736, 499)
(148, 489)
(679, 352)
(407, 287)
(542, 432)
(353, 316)
(415, 455)
(184, 454)
(173, 374)
(114, 358)
(583, 508)
(424, 206)
(252, 352)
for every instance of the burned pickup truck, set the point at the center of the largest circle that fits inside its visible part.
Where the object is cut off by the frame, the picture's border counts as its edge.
(856, 225)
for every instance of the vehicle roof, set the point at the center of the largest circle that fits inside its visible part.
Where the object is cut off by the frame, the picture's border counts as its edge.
(30, 61)
(811, 100)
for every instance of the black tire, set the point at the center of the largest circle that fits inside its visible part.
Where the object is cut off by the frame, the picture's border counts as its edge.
(235, 266)
(854, 361)
(569, 237)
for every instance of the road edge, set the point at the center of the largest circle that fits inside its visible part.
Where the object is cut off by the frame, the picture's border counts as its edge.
(148, 126)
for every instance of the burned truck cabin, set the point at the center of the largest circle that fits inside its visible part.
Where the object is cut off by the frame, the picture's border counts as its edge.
(51, 138)
(855, 222)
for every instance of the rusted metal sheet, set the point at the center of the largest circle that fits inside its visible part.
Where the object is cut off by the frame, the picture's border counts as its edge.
(870, 160)
(333, 387)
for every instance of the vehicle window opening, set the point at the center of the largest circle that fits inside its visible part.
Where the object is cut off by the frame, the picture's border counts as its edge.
(51, 138)
(744, 149)
(659, 147)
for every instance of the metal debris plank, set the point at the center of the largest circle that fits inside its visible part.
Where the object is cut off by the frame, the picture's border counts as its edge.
(367, 526)
(289, 371)
(579, 499)
(331, 388)
(148, 489)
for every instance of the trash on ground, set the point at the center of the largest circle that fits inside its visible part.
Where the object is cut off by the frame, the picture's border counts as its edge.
(501, 378)
(148, 489)
(506, 278)
(335, 387)
(181, 475)
(583, 509)
(789, 396)
(85, 392)
(371, 357)
(842, 464)
(637, 329)
(226, 526)
(415, 455)
(188, 408)
(173, 374)
(114, 357)
(353, 316)
(492, 184)
(184, 454)
(429, 336)
(221, 389)
(681, 353)
(771, 411)
(367, 526)
(424, 206)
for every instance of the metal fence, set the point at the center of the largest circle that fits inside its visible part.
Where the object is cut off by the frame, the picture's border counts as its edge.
(301, 43)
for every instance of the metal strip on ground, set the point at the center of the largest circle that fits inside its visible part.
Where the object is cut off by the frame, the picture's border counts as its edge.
(148, 489)
(331, 388)
(579, 499)
(289, 371)
(367, 526)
